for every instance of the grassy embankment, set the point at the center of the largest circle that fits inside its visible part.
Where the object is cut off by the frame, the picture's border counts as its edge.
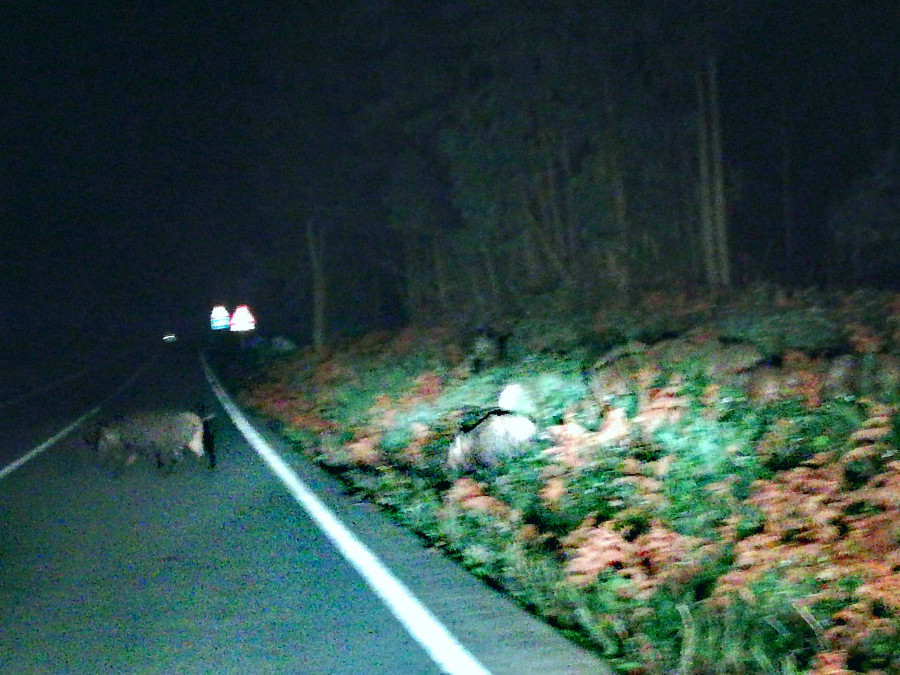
(715, 488)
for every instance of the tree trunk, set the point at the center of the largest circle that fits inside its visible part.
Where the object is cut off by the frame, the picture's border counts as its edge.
(314, 239)
(704, 190)
(491, 272)
(720, 207)
(439, 251)
(620, 207)
(545, 245)
(711, 188)
(572, 220)
(413, 283)
(787, 210)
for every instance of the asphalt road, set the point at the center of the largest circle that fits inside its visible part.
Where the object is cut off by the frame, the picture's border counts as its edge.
(215, 571)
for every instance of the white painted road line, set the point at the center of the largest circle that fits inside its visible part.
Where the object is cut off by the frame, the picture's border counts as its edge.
(444, 649)
(34, 452)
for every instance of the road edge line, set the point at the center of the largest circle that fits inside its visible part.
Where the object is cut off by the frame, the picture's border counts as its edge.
(426, 629)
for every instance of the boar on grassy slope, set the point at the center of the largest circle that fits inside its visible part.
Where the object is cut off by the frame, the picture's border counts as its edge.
(161, 436)
(497, 434)
(496, 437)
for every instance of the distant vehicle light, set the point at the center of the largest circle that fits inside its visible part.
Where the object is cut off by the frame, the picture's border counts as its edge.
(242, 320)
(219, 318)
(169, 337)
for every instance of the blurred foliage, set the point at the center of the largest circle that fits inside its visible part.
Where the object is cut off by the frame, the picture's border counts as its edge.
(709, 501)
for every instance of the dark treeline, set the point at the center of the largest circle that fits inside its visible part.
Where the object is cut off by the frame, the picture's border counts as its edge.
(476, 158)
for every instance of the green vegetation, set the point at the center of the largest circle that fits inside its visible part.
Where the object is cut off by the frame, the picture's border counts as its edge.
(723, 499)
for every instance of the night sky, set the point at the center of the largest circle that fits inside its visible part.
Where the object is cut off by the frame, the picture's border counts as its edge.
(127, 183)
(161, 157)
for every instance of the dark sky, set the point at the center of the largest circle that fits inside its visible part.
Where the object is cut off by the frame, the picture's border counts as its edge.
(835, 66)
(143, 146)
(127, 175)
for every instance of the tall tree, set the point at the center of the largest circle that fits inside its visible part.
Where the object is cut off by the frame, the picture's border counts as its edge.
(711, 188)
(315, 241)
